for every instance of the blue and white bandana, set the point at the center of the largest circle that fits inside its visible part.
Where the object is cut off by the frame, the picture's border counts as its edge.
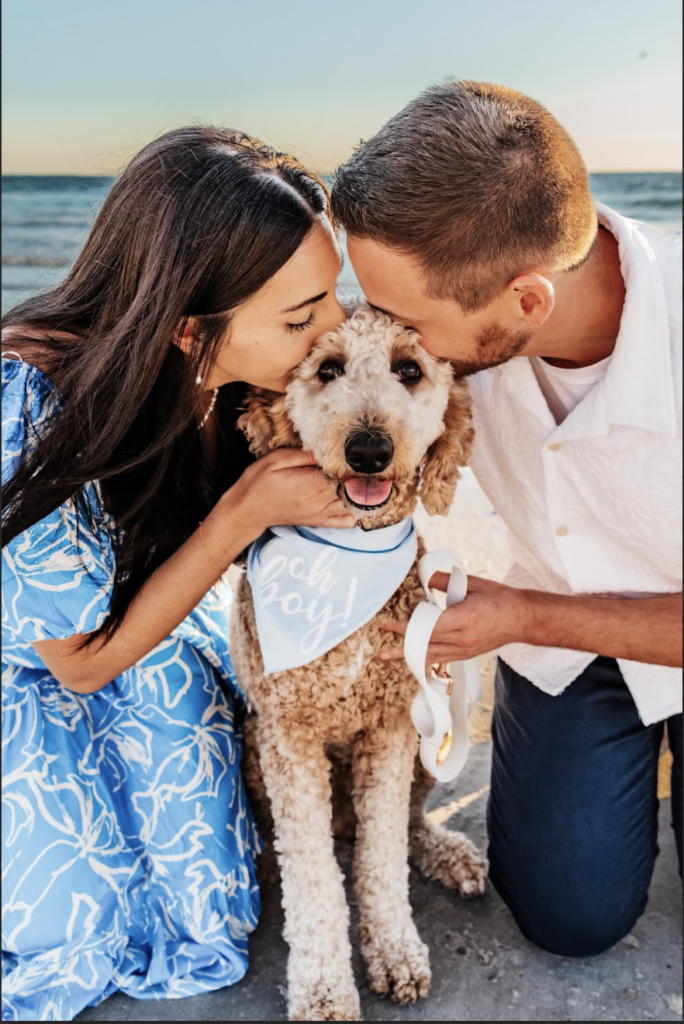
(314, 587)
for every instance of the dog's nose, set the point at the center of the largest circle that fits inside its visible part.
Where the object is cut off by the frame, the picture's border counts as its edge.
(369, 453)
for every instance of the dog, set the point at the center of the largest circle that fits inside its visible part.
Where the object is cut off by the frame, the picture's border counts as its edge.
(332, 739)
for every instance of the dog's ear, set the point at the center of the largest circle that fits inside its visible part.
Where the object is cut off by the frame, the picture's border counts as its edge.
(445, 455)
(265, 423)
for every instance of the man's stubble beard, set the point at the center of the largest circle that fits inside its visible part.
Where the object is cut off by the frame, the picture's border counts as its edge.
(495, 345)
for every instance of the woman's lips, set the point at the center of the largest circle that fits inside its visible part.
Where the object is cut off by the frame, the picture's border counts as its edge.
(367, 491)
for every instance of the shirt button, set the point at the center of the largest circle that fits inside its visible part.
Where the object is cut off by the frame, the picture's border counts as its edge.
(562, 530)
(554, 447)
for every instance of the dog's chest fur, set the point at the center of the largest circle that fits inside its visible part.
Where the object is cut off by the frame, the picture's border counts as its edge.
(340, 693)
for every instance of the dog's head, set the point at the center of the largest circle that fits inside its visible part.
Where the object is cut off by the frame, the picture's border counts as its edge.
(384, 419)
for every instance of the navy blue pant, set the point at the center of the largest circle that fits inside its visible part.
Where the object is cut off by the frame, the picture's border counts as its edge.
(573, 808)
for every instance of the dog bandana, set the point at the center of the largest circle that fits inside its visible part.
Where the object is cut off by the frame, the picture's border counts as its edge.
(314, 587)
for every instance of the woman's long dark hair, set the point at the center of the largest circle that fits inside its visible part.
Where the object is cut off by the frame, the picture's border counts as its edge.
(198, 222)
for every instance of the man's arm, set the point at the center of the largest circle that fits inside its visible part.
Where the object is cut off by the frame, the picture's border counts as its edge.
(647, 629)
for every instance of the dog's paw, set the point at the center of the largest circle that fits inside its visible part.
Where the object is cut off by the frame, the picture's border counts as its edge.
(322, 997)
(449, 858)
(402, 973)
(326, 1006)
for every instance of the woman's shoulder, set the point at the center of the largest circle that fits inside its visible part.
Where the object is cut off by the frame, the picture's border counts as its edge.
(29, 399)
(26, 389)
(34, 348)
(25, 359)
(57, 574)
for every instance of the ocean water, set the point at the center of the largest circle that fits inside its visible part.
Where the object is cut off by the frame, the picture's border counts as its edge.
(45, 221)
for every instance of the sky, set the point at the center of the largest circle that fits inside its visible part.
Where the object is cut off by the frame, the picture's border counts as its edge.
(87, 83)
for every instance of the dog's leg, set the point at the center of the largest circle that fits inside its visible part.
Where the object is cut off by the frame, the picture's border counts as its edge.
(297, 774)
(397, 960)
(438, 853)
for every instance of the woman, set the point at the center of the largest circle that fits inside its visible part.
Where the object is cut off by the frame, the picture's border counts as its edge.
(129, 845)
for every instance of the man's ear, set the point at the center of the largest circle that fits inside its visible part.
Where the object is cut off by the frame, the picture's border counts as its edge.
(265, 423)
(534, 297)
(450, 451)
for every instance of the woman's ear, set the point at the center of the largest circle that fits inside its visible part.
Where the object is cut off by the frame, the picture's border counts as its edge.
(265, 423)
(186, 338)
(450, 451)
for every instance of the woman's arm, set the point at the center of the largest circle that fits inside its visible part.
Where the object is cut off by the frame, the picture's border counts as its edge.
(282, 488)
(647, 629)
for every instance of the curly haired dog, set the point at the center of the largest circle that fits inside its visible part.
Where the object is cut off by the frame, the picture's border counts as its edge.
(389, 424)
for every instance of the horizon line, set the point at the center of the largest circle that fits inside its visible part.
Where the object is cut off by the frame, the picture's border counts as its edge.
(62, 174)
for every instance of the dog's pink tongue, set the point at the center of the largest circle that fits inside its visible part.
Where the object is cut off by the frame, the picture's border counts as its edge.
(366, 490)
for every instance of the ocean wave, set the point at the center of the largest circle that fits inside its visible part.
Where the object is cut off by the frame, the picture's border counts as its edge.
(55, 183)
(53, 221)
(6, 287)
(34, 261)
(641, 202)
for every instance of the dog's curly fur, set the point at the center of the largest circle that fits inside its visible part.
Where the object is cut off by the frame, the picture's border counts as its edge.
(345, 718)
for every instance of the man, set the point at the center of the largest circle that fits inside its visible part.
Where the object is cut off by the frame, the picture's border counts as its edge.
(469, 217)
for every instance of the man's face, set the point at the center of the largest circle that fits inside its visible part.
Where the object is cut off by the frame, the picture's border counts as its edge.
(394, 283)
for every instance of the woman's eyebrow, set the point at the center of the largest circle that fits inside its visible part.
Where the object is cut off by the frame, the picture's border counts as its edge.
(306, 302)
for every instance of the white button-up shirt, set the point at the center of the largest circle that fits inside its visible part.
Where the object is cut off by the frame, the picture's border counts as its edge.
(594, 504)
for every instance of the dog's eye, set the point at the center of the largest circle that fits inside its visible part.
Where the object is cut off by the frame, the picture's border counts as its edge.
(409, 373)
(330, 370)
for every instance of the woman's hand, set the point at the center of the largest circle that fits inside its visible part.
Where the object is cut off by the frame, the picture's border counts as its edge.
(286, 488)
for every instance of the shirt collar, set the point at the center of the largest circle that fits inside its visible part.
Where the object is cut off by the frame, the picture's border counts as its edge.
(638, 387)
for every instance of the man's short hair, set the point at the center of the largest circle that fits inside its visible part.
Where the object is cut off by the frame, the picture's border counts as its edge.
(477, 182)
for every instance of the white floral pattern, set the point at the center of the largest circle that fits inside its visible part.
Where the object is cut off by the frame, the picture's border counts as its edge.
(128, 842)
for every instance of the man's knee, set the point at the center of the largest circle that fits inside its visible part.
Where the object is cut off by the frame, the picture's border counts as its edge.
(571, 924)
(573, 934)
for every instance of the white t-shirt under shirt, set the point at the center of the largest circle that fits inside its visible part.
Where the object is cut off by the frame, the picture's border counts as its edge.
(591, 492)
(565, 388)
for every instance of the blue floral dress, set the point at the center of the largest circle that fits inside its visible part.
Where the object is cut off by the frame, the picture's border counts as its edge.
(128, 843)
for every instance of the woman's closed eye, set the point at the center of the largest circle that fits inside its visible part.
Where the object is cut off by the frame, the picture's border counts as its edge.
(304, 324)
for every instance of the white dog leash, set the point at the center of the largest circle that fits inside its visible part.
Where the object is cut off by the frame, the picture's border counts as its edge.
(441, 708)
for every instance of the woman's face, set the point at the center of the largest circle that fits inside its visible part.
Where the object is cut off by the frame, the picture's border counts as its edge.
(272, 332)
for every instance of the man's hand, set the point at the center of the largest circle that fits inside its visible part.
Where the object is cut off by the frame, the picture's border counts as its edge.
(646, 629)
(490, 615)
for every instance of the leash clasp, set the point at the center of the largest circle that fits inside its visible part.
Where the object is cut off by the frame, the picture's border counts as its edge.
(442, 672)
